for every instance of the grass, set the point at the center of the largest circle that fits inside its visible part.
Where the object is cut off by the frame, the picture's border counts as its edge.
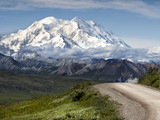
(152, 78)
(79, 103)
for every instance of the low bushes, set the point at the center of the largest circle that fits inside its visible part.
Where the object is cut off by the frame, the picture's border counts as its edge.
(152, 78)
(79, 103)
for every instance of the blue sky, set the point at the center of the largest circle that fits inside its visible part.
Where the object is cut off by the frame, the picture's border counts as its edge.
(137, 22)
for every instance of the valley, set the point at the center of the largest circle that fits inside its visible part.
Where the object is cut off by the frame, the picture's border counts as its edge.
(17, 88)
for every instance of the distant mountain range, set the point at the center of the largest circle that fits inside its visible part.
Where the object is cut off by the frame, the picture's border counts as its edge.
(97, 69)
(8, 64)
(108, 70)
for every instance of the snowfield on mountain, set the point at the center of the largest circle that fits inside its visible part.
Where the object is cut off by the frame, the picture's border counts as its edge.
(76, 38)
(51, 33)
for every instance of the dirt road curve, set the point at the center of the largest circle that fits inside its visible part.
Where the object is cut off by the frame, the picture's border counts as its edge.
(138, 102)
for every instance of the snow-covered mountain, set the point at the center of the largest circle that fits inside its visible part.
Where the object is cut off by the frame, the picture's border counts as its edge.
(50, 36)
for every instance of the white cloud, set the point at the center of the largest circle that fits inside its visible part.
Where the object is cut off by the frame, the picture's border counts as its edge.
(155, 50)
(13, 5)
(142, 55)
(135, 6)
(141, 43)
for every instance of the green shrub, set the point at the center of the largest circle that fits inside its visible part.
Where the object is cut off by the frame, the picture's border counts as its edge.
(156, 84)
(77, 95)
(152, 78)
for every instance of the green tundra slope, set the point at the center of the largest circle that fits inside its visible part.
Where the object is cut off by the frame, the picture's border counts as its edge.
(80, 103)
(16, 88)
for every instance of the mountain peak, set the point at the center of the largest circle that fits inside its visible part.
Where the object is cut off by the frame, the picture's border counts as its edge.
(48, 34)
(49, 20)
(77, 19)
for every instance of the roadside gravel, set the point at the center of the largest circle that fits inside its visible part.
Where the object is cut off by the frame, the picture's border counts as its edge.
(138, 102)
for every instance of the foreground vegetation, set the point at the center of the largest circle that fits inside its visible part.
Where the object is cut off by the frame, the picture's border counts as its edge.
(79, 103)
(152, 78)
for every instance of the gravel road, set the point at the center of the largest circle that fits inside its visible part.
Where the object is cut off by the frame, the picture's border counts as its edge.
(138, 102)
